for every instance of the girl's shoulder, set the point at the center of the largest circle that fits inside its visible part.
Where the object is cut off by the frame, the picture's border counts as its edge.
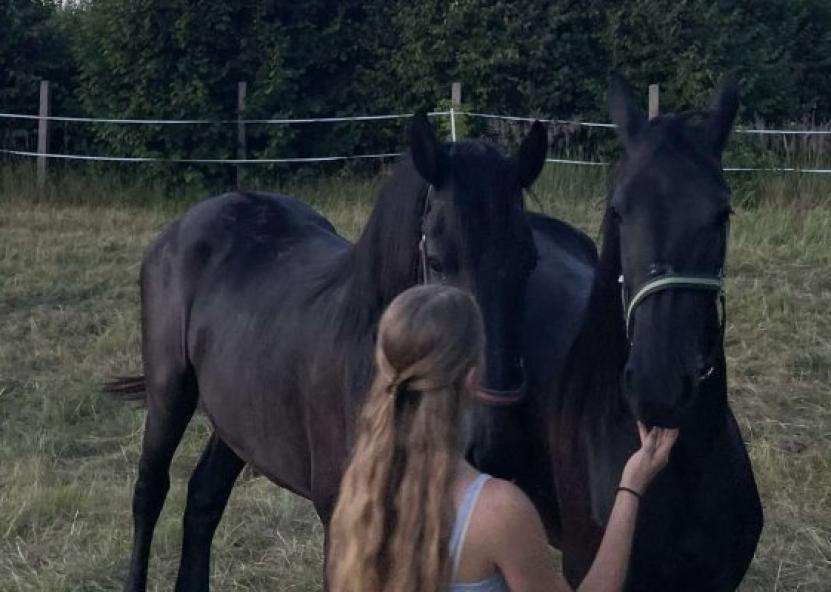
(501, 501)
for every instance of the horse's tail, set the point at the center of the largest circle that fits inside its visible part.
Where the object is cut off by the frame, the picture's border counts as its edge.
(127, 388)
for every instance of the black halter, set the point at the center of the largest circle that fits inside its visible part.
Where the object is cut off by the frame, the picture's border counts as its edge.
(422, 243)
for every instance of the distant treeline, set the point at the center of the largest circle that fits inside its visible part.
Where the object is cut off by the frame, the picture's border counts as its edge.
(177, 58)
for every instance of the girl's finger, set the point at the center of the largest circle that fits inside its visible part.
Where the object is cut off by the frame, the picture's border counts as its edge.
(667, 440)
(651, 441)
(642, 431)
(670, 438)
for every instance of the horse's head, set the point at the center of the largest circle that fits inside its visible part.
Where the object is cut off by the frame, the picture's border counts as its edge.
(670, 209)
(475, 235)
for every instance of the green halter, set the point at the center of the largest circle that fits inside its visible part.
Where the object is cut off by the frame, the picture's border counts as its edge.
(671, 281)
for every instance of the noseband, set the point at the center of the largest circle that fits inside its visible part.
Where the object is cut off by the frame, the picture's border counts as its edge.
(491, 397)
(673, 281)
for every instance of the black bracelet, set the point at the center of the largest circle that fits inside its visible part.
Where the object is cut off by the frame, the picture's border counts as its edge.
(632, 491)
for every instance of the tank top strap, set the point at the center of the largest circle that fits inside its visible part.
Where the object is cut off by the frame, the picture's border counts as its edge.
(463, 514)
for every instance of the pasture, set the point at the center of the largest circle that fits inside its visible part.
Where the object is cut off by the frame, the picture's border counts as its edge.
(69, 317)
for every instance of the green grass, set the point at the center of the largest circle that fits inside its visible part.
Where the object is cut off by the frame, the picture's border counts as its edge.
(69, 308)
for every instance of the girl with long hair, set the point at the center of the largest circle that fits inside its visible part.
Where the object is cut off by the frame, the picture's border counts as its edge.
(413, 515)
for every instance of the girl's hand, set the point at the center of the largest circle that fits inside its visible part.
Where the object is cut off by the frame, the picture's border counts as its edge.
(647, 462)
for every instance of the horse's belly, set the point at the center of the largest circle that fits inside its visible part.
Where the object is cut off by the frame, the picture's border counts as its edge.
(265, 427)
(254, 348)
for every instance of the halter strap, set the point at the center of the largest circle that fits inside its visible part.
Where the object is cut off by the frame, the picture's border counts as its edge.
(422, 242)
(669, 282)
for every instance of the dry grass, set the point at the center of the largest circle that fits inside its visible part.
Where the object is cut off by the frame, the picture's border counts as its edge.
(68, 304)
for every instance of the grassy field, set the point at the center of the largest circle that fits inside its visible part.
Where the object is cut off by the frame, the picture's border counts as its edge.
(69, 317)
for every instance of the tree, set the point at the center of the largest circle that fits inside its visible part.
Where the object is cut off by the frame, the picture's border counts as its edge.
(34, 46)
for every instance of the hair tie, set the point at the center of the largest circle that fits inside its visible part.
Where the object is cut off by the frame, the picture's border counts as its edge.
(393, 385)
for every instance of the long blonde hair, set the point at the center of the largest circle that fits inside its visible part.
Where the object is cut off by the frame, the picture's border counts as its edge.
(390, 528)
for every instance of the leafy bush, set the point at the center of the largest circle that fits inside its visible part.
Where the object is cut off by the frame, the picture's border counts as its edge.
(545, 58)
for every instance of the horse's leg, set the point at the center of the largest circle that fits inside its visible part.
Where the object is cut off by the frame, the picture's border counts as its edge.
(170, 405)
(208, 491)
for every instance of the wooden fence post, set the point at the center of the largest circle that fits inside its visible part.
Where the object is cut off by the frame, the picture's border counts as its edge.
(242, 89)
(455, 103)
(43, 133)
(456, 94)
(654, 101)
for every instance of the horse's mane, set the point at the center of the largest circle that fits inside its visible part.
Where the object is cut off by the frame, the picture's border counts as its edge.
(384, 260)
(596, 360)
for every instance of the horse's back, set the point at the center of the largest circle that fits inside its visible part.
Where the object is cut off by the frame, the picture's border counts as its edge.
(246, 219)
(564, 238)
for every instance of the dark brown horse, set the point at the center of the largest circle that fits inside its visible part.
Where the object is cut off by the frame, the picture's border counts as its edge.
(258, 312)
(651, 348)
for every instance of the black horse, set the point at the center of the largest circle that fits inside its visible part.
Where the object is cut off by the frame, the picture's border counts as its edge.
(258, 312)
(651, 348)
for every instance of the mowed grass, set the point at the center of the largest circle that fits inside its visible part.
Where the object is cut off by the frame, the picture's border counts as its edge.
(69, 318)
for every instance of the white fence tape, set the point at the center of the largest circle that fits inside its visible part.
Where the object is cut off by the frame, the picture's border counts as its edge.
(578, 162)
(779, 132)
(815, 132)
(234, 161)
(775, 170)
(289, 121)
(725, 169)
(223, 121)
(531, 119)
(202, 160)
(452, 113)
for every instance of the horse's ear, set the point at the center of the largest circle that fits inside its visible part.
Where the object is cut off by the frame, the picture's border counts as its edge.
(531, 155)
(426, 150)
(724, 105)
(624, 110)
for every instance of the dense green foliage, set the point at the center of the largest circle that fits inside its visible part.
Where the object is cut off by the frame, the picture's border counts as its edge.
(35, 43)
(179, 59)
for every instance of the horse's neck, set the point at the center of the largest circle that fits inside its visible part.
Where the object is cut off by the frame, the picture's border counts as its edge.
(609, 437)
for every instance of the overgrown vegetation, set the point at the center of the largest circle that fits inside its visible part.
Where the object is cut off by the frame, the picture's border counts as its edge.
(69, 309)
(154, 59)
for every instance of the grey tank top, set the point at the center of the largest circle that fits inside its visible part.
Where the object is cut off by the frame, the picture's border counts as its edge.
(495, 583)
